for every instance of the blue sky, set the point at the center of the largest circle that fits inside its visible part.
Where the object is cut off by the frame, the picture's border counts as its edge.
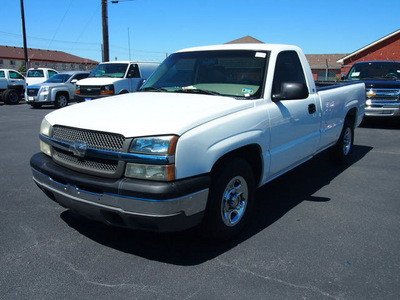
(157, 27)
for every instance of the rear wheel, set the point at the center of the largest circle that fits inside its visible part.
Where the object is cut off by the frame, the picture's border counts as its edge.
(230, 199)
(344, 146)
(11, 96)
(61, 100)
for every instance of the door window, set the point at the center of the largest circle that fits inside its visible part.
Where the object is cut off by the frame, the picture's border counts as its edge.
(288, 69)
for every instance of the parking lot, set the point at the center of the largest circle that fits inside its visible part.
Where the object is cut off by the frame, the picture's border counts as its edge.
(318, 232)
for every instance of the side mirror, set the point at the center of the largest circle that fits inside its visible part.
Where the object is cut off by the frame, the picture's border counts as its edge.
(291, 91)
(73, 81)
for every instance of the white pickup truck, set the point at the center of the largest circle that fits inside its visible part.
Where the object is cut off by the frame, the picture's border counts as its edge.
(114, 78)
(39, 75)
(12, 85)
(208, 127)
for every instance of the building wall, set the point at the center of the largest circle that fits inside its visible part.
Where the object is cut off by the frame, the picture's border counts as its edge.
(59, 66)
(320, 74)
(386, 50)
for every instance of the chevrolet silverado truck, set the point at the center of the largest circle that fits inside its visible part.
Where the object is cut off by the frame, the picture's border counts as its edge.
(382, 83)
(12, 85)
(58, 90)
(113, 78)
(190, 148)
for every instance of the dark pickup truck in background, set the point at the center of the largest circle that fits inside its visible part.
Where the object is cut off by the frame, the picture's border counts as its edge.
(382, 84)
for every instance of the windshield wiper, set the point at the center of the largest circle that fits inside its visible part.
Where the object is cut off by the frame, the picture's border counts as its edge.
(197, 91)
(152, 89)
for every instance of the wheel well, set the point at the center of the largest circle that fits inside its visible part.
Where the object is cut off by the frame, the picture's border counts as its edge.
(62, 93)
(352, 115)
(123, 92)
(250, 153)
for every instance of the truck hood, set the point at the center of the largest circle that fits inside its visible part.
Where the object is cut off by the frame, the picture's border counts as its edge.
(50, 84)
(98, 81)
(390, 84)
(147, 113)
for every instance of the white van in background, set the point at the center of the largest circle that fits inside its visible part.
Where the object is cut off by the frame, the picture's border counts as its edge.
(113, 78)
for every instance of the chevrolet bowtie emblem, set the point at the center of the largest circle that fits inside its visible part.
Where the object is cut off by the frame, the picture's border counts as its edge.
(78, 149)
(371, 93)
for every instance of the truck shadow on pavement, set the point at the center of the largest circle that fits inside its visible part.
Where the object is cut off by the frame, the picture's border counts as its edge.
(273, 201)
(381, 123)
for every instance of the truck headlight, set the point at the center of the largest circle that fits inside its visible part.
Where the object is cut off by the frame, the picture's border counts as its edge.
(159, 146)
(45, 129)
(45, 89)
(107, 90)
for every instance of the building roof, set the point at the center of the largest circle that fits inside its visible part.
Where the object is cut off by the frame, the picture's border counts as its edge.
(17, 53)
(320, 61)
(397, 32)
(245, 40)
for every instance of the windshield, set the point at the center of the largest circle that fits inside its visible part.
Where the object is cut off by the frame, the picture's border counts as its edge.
(110, 70)
(59, 78)
(375, 70)
(35, 73)
(234, 73)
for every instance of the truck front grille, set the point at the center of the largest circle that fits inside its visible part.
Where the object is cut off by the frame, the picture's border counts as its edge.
(384, 97)
(32, 92)
(90, 90)
(93, 139)
(102, 165)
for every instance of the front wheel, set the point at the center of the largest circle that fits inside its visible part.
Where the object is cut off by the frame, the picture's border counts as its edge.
(344, 146)
(230, 199)
(61, 101)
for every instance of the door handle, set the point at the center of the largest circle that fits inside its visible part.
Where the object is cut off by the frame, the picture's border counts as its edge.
(312, 109)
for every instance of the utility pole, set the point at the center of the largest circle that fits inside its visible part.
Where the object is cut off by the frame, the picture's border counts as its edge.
(106, 49)
(24, 35)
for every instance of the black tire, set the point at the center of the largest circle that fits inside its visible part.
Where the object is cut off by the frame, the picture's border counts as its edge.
(11, 96)
(341, 151)
(61, 100)
(230, 200)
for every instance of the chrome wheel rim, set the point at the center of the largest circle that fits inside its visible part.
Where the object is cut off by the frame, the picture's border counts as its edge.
(234, 201)
(347, 141)
(62, 101)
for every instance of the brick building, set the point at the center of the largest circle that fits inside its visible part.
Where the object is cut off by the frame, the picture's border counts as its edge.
(333, 66)
(386, 48)
(13, 58)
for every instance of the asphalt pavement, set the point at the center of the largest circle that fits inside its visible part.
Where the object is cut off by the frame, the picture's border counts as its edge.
(318, 232)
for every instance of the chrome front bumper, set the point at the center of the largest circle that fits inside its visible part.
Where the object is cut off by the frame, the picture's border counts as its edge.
(158, 213)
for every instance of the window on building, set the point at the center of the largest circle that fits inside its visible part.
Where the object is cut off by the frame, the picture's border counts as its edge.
(12, 62)
(323, 75)
(1, 62)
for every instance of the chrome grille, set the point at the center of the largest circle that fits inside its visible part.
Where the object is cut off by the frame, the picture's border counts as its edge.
(32, 92)
(384, 96)
(102, 165)
(93, 139)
